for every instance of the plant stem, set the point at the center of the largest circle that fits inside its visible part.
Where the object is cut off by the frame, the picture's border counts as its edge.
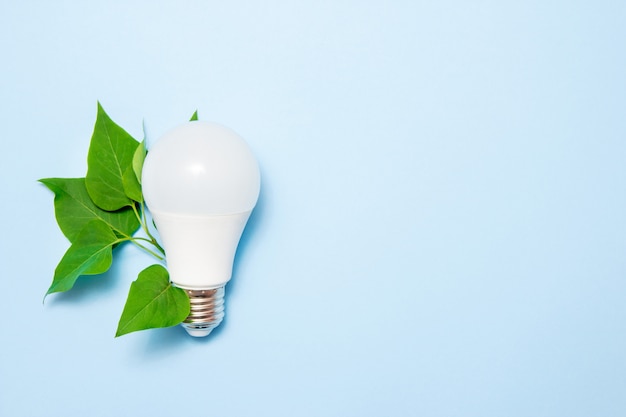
(151, 239)
(135, 240)
(144, 225)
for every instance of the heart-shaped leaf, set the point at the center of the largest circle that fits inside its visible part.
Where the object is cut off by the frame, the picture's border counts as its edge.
(153, 302)
(73, 209)
(90, 254)
(110, 154)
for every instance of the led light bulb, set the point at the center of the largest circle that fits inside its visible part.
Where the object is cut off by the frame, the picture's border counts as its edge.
(201, 182)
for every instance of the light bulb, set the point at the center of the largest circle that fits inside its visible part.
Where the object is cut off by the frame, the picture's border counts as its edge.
(201, 182)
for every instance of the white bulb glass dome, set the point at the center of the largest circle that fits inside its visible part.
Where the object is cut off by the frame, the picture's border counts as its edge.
(201, 168)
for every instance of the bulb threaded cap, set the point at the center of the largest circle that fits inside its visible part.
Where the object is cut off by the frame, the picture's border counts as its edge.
(207, 311)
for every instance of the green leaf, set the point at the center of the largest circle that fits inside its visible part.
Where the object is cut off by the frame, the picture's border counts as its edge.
(110, 154)
(138, 158)
(153, 302)
(132, 188)
(74, 209)
(194, 116)
(90, 254)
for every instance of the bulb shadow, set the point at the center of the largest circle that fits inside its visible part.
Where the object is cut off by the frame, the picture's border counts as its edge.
(163, 343)
(254, 223)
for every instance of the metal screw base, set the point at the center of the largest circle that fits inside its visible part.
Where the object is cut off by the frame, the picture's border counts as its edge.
(207, 311)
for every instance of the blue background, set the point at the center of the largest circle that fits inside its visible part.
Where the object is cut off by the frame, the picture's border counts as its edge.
(441, 229)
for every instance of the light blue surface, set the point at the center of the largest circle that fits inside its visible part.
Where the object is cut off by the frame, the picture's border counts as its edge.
(441, 230)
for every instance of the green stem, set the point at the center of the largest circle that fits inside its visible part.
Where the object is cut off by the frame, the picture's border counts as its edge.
(144, 225)
(139, 217)
(144, 239)
(159, 257)
(135, 240)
